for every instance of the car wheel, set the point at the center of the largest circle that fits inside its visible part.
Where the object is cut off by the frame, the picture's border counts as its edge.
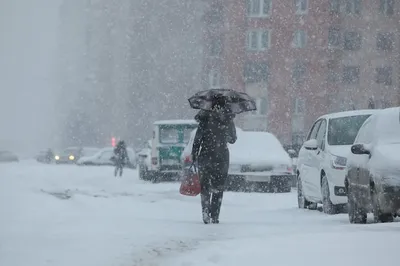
(379, 217)
(328, 207)
(301, 200)
(356, 214)
(142, 173)
(155, 177)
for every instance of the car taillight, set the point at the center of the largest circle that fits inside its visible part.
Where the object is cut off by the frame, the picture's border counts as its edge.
(188, 159)
(154, 160)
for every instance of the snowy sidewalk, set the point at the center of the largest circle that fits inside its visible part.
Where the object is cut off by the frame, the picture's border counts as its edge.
(69, 215)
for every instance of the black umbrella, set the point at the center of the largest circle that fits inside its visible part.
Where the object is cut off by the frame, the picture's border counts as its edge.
(230, 100)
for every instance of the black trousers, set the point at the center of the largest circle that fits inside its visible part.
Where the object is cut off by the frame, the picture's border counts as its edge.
(213, 174)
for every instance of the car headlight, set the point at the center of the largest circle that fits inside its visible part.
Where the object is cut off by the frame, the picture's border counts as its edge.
(338, 162)
(71, 157)
(57, 157)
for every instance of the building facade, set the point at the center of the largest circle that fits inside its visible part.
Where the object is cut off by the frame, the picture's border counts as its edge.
(300, 59)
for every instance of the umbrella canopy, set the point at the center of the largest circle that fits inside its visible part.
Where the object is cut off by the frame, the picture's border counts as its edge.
(229, 100)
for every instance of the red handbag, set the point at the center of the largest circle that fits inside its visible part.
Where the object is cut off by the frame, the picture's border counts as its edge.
(190, 185)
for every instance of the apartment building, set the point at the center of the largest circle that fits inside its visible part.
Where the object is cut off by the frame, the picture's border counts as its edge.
(300, 59)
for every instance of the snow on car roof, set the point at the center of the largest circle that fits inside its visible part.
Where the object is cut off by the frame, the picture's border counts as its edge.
(176, 122)
(350, 113)
(388, 124)
(255, 146)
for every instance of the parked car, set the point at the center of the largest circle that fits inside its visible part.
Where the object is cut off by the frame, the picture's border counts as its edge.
(144, 162)
(373, 169)
(45, 156)
(258, 162)
(7, 156)
(104, 157)
(72, 154)
(322, 160)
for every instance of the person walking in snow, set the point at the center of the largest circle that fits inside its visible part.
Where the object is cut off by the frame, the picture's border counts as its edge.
(210, 150)
(121, 157)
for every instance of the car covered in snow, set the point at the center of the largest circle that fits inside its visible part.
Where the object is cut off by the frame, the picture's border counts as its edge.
(322, 160)
(258, 162)
(104, 157)
(7, 156)
(72, 154)
(373, 169)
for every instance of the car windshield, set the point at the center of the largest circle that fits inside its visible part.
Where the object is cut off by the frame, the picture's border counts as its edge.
(169, 135)
(343, 130)
(71, 151)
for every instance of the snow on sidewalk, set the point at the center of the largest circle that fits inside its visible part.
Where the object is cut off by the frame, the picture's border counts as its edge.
(69, 215)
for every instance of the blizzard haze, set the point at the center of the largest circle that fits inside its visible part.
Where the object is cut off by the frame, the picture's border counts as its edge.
(27, 81)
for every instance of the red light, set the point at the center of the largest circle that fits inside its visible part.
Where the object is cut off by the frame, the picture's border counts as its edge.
(113, 141)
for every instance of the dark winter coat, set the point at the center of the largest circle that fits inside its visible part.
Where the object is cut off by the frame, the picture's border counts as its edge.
(121, 155)
(214, 132)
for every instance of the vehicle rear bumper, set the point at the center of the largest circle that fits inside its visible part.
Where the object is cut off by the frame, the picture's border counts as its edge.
(272, 179)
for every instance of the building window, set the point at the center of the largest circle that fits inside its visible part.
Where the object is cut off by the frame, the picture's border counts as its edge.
(216, 14)
(215, 47)
(262, 106)
(301, 6)
(384, 75)
(299, 106)
(351, 75)
(334, 6)
(334, 36)
(332, 74)
(300, 39)
(299, 72)
(256, 72)
(352, 41)
(258, 40)
(214, 79)
(259, 8)
(353, 7)
(385, 41)
(386, 7)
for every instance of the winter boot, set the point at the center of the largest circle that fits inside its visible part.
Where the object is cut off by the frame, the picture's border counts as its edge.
(205, 206)
(216, 202)
(206, 216)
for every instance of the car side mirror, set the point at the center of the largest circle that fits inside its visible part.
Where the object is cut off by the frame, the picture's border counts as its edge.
(311, 144)
(359, 149)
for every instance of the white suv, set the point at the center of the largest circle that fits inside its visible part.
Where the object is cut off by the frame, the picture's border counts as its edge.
(322, 160)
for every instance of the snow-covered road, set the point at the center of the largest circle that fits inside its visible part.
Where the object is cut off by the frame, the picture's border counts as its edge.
(83, 216)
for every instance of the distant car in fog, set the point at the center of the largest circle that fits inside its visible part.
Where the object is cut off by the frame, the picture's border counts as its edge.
(72, 154)
(45, 156)
(104, 157)
(7, 156)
